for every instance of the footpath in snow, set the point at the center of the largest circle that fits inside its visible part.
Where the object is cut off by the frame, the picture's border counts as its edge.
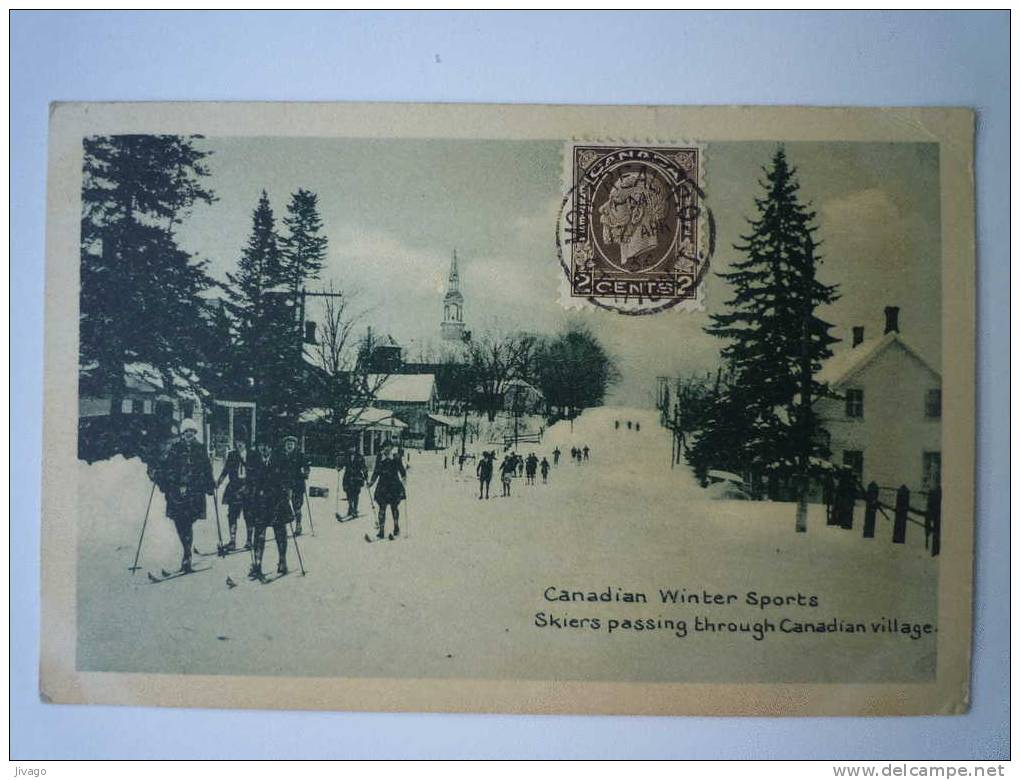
(460, 594)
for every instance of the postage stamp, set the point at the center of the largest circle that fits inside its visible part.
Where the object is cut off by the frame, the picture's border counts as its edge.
(637, 226)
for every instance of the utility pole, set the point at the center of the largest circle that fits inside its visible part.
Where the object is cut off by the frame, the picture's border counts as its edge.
(466, 338)
(805, 397)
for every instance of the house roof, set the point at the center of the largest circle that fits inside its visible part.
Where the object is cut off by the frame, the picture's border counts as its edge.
(358, 417)
(145, 378)
(846, 364)
(403, 388)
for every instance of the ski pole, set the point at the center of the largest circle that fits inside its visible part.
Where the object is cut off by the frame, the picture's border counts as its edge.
(297, 549)
(134, 567)
(308, 506)
(219, 533)
(338, 493)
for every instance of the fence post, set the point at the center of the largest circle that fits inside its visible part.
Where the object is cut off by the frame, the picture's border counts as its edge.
(899, 534)
(846, 495)
(933, 520)
(870, 510)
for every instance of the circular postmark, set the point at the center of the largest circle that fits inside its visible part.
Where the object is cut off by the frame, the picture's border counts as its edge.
(634, 234)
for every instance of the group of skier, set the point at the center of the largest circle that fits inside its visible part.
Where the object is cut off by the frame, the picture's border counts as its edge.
(267, 488)
(512, 465)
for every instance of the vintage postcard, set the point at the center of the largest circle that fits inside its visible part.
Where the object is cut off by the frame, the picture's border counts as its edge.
(482, 408)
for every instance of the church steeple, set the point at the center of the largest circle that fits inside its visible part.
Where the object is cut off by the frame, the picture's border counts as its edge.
(453, 305)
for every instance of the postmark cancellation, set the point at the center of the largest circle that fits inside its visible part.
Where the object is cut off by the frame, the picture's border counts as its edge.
(635, 233)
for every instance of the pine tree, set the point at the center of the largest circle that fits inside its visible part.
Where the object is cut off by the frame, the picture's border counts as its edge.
(263, 309)
(776, 340)
(141, 294)
(258, 271)
(304, 249)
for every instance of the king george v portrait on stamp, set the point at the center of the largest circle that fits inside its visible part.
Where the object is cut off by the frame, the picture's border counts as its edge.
(636, 223)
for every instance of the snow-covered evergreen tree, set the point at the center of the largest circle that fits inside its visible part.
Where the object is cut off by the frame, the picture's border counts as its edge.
(141, 294)
(304, 247)
(763, 420)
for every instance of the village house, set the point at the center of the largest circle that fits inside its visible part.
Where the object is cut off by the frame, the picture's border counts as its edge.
(885, 421)
(412, 399)
(149, 410)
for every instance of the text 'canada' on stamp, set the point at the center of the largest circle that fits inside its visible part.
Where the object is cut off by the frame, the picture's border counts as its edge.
(637, 227)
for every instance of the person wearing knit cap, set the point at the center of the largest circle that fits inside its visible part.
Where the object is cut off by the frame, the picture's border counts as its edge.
(186, 479)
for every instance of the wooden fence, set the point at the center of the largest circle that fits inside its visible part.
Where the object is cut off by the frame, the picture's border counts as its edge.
(840, 512)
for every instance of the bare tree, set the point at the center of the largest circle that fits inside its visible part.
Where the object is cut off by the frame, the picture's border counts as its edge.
(496, 359)
(345, 360)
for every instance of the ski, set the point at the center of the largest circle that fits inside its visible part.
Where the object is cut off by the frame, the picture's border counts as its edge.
(393, 538)
(371, 539)
(220, 553)
(172, 575)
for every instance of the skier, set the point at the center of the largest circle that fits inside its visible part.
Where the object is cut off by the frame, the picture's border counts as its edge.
(507, 469)
(484, 472)
(267, 486)
(355, 476)
(585, 451)
(185, 477)
(295, 468)
(616, 424)
(389, 473)
(530, 467)
(556, 456)
(234, 468)
(544, 466)
(519, 460)
(628, 425)
(637, 426)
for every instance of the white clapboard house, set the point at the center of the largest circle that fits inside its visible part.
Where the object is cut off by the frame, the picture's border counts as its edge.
(885, 422)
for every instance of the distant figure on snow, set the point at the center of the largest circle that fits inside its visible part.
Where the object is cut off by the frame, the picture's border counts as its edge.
(556, 456)
(507, 469)
(585, 451)
(531, 467)
(637, 426)
(544, 466)
(484, 472)
(628, 425)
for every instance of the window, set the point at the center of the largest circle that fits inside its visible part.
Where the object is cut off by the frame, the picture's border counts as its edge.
(855, 403)
(137, 406)
(931, 470)
(854, 460)
(125, 406)
(147, 406)
(187, 408)
(933, 403)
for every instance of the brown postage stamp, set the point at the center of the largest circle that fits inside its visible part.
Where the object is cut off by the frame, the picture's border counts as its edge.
(638, 228)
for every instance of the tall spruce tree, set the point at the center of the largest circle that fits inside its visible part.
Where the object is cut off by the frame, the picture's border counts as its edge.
(777, 342)
(262, 306)
(141, 294)
(258, 271)
(304, 248)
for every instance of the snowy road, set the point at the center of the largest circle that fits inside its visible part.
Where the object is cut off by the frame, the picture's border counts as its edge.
(460, 595)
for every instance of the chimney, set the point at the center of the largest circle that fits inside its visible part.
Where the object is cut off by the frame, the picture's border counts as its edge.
(858, 336)
(892, 319)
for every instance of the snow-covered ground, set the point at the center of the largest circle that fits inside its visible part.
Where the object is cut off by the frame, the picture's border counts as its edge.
(460, 595)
